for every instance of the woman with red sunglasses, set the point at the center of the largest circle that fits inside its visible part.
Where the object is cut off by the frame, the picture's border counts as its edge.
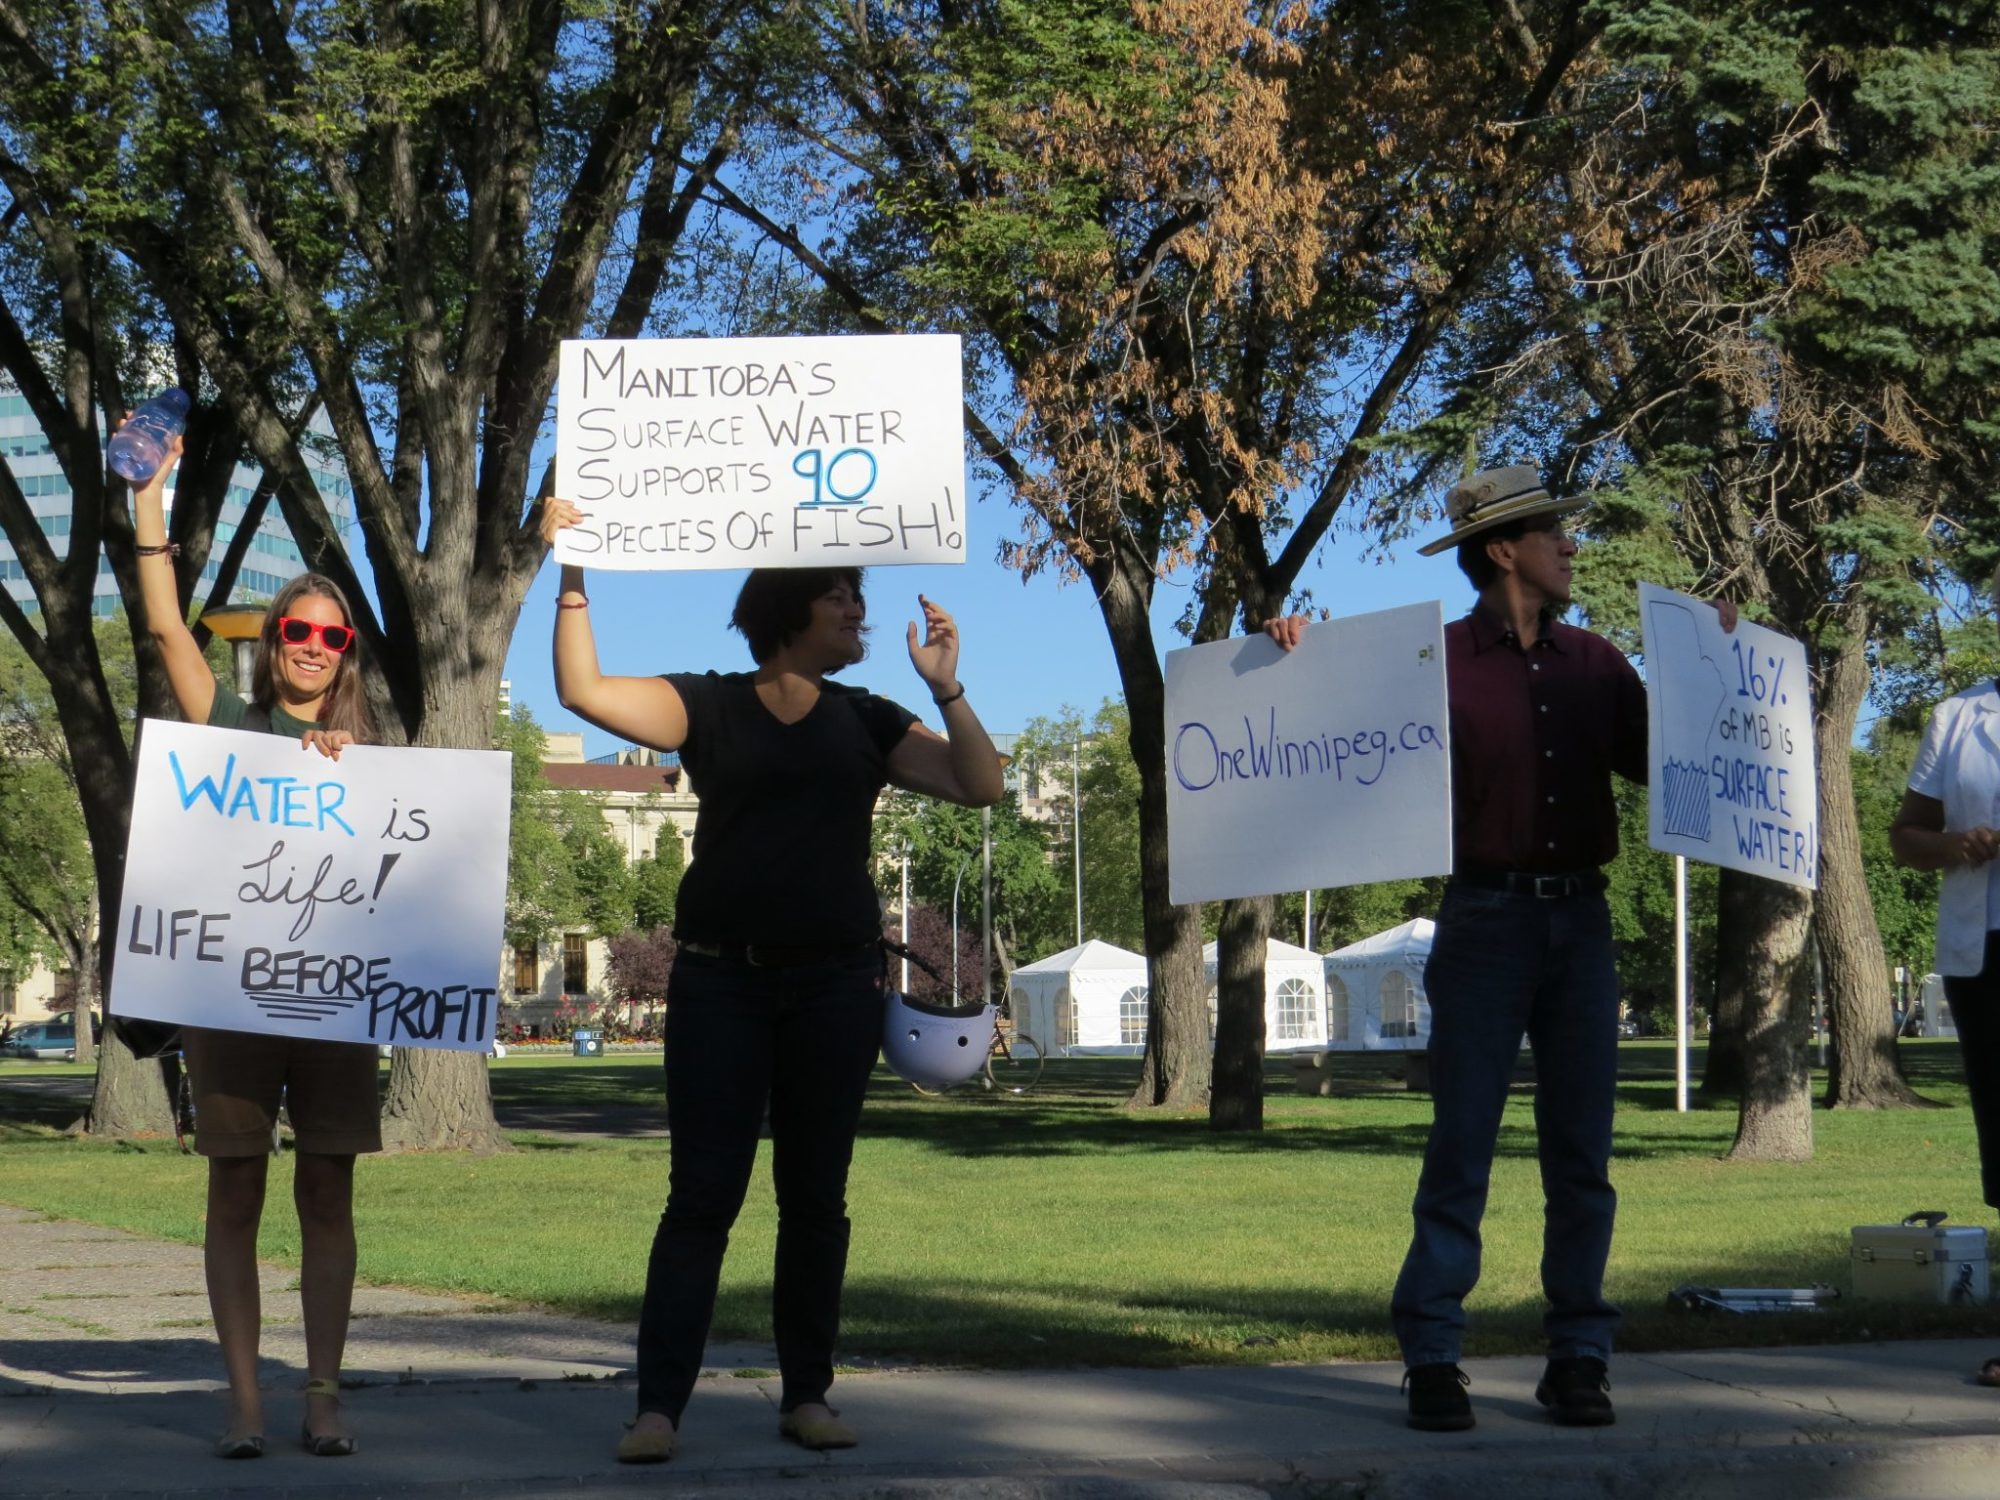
(306, 685)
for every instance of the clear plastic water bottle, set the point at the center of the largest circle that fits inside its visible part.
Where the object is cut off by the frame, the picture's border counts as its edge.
(139, 447)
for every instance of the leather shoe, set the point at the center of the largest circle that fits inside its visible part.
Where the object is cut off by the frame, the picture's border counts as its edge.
(1438, 1402)
(646, 1445)
(1577, 1392)
(816, 1433)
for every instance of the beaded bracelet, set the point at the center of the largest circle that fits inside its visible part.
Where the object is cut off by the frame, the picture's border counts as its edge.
(164, 549)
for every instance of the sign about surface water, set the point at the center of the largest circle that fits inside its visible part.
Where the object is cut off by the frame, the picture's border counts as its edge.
(762, 453)
(1325, 766)
(268, 888)
(1730, 721)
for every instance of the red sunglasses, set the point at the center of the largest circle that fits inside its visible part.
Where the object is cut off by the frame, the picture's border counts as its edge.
(296, 632)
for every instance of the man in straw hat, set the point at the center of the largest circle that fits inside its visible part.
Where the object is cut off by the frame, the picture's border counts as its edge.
(1541, 714)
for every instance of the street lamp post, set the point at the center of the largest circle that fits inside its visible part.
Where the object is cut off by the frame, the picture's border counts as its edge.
(954, 925)
(986, 905)
(905, 983)
(1076, 826)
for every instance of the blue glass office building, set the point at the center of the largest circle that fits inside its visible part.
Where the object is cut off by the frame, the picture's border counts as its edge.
(273, 557)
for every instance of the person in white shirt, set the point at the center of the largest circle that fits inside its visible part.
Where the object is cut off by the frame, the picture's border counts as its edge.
(1950, 821)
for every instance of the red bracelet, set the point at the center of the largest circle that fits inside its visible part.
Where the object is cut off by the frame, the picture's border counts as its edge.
(572, 604)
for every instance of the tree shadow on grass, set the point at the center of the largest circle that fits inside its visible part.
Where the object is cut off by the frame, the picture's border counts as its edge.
(1080, 1324)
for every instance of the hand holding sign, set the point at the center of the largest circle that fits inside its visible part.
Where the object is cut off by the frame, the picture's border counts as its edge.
(734, 453)
(1730, 717)
(1316, 757)
(356, 902)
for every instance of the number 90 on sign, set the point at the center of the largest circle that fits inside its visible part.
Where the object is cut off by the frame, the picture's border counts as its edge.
(844, 479)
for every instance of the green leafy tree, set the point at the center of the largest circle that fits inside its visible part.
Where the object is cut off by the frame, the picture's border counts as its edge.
(656, 881)
(1204, 255)
(1107, 779)
(600, 876)
(945, 844)
(1350, 913)
(48, 890)
(393, 214)
(1766, 312)
(542, 894)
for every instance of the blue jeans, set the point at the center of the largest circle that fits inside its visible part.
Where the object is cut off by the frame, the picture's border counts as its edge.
(1500, 965)
(738, 1035)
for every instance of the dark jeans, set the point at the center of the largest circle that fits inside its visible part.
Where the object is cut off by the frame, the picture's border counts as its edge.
(804, 1039)
(1501, 965)
(1975, 1011)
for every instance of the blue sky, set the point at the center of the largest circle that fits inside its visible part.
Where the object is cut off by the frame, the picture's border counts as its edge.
(1028, 648)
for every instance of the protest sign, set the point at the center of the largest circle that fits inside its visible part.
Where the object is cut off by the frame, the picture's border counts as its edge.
(269, 888)
(1325, 766)
(762, 453)
(1733, 781)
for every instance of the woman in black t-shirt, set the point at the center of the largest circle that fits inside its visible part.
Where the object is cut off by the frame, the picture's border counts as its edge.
(777, 986)
(307, 686)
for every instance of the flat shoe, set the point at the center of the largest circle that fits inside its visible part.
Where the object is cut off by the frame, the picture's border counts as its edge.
(248, 1445)
(645, 1446)
(325, 1445)
(816, 1433)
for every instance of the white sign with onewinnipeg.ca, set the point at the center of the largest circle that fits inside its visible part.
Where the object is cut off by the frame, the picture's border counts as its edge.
(271, 889)
(1733, 780)
(1329, 765)
(762, 452)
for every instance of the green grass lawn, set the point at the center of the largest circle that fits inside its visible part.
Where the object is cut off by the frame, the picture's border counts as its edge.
(1056, 1228)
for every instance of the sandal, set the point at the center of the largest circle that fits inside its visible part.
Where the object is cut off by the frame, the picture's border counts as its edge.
(325, 1445)
(1989, 1373)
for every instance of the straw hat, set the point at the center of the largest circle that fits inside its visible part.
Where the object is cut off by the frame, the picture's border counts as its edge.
(1495, 497)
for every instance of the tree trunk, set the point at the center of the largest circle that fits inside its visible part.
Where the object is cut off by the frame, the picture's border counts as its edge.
(1768, 972)
(1237, 1102)
(89, 984)
(1865, 1072)
(439, 1101)
(130, 1098)
(1722, 1073)
(1175, 1072)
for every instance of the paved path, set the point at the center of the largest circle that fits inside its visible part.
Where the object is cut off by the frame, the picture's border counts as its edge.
(107, 1388)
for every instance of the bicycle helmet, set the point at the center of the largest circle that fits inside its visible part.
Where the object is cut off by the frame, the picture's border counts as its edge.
(935, 1046)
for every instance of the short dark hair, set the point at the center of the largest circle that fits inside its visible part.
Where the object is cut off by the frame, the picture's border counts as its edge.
(1473, 561)
(776, 604)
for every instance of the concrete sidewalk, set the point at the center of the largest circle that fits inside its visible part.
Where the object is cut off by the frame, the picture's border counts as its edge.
(107, 1388)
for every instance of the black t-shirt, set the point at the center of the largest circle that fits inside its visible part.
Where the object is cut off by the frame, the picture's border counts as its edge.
(781, 835)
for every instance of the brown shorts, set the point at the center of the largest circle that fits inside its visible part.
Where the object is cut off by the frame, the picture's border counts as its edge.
(329, 1091)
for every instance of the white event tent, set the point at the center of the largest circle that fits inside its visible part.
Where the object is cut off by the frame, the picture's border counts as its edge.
(1375, 991)
(1294, 997)
(1087, 1001)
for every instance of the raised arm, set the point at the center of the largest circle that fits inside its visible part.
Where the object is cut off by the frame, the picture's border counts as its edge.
(187, 670)
(645, 710)
(963, 767)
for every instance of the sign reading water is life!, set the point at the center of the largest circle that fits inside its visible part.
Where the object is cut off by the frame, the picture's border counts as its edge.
(1329, 765)
(1733, 779)
(761, 453)
(269, 888)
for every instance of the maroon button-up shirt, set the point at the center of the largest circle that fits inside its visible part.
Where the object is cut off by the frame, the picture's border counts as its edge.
(1535, 736)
